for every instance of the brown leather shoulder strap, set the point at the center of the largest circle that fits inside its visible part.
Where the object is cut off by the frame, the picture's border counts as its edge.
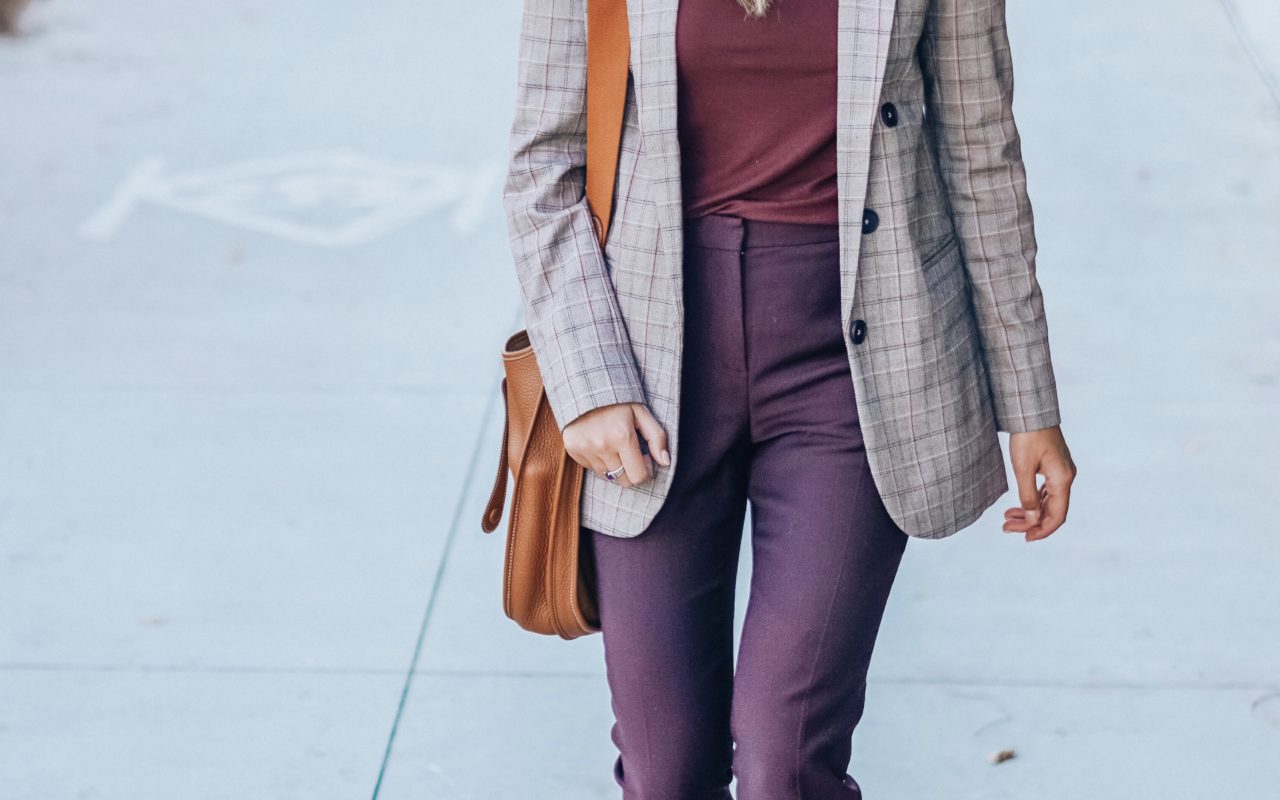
(608, 57)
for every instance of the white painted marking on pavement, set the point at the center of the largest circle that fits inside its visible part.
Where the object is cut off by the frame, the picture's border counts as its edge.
(102, 224)
(328, 199)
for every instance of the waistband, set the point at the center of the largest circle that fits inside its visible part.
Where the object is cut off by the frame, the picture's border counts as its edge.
(728, 232)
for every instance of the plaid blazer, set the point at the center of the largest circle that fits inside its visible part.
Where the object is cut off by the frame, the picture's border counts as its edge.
(956, 345)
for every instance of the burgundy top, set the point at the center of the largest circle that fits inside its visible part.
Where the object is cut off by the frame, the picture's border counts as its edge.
(757, 113)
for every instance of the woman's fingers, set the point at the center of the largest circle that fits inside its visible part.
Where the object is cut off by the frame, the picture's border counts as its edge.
(1024, 472)
(1020, 515)
(1058, 478)
(654, 434)
(637, 463)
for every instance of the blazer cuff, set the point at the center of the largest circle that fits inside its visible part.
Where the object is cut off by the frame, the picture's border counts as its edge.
(1023, 410)
(612, 379)
(567, 406)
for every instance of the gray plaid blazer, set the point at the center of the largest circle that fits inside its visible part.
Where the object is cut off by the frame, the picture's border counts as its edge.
(956, 344)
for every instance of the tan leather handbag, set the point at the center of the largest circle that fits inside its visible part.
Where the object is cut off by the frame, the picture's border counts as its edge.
(548, 581)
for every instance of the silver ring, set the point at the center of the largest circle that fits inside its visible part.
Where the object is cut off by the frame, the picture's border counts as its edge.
(613, 474)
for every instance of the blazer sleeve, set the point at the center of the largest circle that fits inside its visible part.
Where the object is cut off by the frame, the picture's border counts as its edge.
(571, 309)
(965, 59)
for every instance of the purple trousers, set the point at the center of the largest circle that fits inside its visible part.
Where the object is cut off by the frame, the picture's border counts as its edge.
(768, 420)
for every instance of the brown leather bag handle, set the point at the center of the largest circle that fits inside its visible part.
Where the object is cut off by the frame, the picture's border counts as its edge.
(498, 495)
(608, 60)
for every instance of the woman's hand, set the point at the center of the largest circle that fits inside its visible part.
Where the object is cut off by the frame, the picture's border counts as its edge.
(1043, 509)
(606, 437)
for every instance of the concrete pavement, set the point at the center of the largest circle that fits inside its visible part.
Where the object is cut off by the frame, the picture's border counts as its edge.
(253, 283)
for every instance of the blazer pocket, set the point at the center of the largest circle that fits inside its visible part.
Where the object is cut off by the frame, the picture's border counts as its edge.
(939, 253)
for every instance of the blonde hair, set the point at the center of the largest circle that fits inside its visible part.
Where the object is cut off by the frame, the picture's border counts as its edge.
(756, 8)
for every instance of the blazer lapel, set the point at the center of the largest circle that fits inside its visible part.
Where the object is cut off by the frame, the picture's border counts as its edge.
(653, 66)
(865, 27)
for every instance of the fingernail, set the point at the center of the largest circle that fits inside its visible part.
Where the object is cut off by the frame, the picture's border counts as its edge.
(666, 458)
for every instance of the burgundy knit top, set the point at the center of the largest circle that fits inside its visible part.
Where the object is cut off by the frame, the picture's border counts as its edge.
(757, 110)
